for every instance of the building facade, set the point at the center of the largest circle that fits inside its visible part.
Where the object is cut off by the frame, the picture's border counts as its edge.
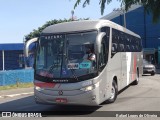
(11, 56)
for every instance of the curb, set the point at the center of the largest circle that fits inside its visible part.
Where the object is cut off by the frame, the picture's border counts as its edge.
(14, 95)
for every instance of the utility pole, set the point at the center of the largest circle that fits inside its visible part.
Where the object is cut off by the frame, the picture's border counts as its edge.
(72, 12)
(3, 60)
(124, 15)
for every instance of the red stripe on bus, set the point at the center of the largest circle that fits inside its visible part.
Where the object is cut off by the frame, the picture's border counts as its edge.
(45, 85)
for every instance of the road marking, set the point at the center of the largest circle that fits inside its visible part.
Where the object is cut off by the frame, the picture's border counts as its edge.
(27, 93)
(14, 95)
(1, 97)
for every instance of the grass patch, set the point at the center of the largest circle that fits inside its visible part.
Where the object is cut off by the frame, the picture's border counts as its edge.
(15, 86)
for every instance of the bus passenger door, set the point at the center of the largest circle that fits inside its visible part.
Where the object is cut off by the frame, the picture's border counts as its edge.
(124, 59)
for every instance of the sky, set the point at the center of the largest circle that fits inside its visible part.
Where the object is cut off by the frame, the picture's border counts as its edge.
(19, 17)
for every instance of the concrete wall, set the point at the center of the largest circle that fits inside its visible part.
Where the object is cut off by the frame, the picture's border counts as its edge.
(13, 76)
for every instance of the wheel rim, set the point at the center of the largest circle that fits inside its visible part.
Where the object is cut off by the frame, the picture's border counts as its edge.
(113, 91)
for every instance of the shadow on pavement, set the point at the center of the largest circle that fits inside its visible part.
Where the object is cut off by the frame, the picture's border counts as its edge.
(27, 104)
(146, 75)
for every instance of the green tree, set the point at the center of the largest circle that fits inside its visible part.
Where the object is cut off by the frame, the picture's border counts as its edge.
(37, 32)
(151, 6)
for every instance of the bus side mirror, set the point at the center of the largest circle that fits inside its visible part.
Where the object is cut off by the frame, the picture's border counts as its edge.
(99, 41)
(27, 44)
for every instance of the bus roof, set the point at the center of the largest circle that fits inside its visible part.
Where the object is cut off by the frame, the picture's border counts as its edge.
(84, 25)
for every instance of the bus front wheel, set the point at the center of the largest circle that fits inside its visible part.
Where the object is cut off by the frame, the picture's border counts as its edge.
(114, 92)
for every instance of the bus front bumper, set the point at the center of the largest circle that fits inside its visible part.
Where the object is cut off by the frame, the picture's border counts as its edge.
(89, 98)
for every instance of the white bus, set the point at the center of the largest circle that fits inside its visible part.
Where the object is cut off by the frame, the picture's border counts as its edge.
(85, 62)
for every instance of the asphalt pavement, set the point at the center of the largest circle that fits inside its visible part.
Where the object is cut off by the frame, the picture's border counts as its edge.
(142, 97)
(16, 92)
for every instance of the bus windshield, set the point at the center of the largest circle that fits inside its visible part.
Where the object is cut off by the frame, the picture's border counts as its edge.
(69, 56)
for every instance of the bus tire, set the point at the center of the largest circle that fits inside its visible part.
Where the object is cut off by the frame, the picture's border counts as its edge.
(114, 93)
(137, 78)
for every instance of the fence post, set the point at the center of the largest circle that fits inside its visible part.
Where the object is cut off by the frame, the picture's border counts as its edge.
(3, 59)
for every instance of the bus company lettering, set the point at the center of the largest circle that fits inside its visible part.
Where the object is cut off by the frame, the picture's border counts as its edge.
(53, 37)
(73, 66)
(60, 81)
(85, 65)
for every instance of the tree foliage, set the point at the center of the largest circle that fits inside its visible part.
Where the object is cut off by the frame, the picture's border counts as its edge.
(37, 32)
(151, 6)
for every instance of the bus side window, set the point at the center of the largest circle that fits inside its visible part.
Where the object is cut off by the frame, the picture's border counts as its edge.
(115, 42)
(132, 43)
(121, 47)
(121, 42)
(128, 43)
(139, 45)
(114, 48)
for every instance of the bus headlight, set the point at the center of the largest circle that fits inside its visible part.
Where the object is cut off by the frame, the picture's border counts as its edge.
(91, 87)
(38, 88)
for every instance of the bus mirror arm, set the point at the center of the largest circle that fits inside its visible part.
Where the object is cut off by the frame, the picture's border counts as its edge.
(27, 44)
(99, 40)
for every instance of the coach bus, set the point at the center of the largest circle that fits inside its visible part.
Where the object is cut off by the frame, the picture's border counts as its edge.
(85, 62)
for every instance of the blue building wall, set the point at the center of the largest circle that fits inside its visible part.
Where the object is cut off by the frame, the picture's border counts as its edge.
(152, 33)
(11, 60)
(12, 54)
(13, 72)
(16, 76)
(141, 23)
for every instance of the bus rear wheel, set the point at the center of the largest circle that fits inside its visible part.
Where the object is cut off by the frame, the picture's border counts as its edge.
(114, 92)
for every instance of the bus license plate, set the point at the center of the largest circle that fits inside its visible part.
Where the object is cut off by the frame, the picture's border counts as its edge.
(61, 100)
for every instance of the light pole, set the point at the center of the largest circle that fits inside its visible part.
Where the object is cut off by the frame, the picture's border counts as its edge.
(124, 17)
(3, 60)
(72, 12)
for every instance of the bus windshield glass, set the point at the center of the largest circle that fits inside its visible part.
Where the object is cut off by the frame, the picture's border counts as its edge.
(67, 56)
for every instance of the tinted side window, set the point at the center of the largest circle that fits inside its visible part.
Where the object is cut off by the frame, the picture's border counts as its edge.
(132, 46)
(121, 42)
(139, 44)
(115, 42)
(128, 43)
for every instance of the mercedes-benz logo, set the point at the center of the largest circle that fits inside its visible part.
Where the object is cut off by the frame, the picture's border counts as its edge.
(60, 92)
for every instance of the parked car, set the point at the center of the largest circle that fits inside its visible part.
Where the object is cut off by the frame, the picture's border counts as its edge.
(148, 68)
